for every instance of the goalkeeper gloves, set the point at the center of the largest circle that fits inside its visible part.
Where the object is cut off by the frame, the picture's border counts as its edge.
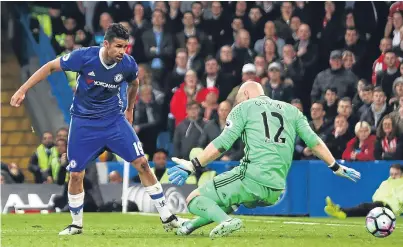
(345, 172)
(178, 174)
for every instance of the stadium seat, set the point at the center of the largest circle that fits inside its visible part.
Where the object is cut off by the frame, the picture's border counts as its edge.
(205, 177)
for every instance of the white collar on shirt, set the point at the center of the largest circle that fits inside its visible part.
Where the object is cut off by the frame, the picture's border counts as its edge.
(102, 61)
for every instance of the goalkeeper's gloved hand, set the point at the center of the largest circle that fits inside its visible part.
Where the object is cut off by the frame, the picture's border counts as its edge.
(178, 174)
(345, 172)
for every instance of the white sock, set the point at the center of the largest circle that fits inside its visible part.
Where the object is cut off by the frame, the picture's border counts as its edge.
(157, 195)
(76, 204)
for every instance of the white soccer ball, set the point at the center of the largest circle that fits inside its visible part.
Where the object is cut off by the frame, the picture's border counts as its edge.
(380, 222)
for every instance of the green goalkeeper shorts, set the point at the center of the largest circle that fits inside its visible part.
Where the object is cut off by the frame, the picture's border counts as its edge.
(231, 188)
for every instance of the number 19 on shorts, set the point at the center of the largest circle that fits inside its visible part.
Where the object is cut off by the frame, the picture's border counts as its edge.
(139, 148)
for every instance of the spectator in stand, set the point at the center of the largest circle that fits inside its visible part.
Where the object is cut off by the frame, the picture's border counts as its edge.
(11, 173)
(56, 172)
(160, 159)
(147, 119)
(283, 23)
(270, 52)
(353, 44)
(195, 56)
(241, 11)
(338, 138)
(395, 23)
(271, 9)
(177, 76)
(380, 65)
(328, 33)
(218, 28)
(190, 30)
(62, 133)
(397, 116)
(318, 125)
(361, 147)
(115, 178)
(83, 38)
(345, 108)
(214, 78)
(228, 65)
(255, 24)
(248, 73)
(348, 60)
(175, 17)
(297, 103)
(378, 109)
(336, 76)
(363, 99)
(331, 103)
(388, 145)
(270, 33)
(236, 25)
(129, 48)
(197, 10)
(117, 10)
(275, 87)
(145, 78)
(386, 78)
(139, 22)
(214, 128)
(209, 106)
(105, 20)
(293, 68)
(187, 92)
(188, 132)
(261, 66)
(158, 46)
(399, 49)
(242, 53)
(40, 160)
(294, 25)
(397, 93)
(306, 49)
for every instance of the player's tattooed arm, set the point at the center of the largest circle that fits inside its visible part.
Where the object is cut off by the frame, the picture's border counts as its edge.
(132, 94)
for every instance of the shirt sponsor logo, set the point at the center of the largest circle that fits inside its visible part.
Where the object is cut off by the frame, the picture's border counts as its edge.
(106, 85)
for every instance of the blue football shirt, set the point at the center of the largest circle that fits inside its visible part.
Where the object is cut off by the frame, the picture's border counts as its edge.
(98, 85)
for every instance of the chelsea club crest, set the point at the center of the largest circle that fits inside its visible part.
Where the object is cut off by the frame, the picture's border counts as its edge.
(118, 77)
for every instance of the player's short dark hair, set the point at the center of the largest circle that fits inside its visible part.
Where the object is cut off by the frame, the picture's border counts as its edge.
(379, 90)
(191, 103)
(116, 30)
(397, 166)
(332, 89)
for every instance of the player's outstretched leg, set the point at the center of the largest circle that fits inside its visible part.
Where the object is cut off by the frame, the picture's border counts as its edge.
(208, 209)
(154, 189)
(76, 203)
(334, 210)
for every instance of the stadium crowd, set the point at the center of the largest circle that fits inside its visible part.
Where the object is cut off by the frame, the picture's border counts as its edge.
(338, 62)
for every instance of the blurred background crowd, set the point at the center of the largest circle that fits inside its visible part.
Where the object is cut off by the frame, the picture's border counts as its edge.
(338, 62)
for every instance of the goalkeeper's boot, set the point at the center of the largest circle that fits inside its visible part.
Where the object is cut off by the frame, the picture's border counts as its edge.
(185, 229)
(173, 222)
(226, 228)
(71, 230)
(334, 210)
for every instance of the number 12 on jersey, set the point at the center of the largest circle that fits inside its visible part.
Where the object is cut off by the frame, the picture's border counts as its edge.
(277, 137)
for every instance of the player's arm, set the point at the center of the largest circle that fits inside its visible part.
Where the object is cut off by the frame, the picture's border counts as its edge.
(236, 121)
(320, 149)
(38, 76)
(132, 94)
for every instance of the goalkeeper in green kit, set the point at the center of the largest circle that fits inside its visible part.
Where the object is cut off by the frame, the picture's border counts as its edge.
(268, 129)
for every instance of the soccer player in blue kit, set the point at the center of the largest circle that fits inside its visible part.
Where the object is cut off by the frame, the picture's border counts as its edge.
(98, 122)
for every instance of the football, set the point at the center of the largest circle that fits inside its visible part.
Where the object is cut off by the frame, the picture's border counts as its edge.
(380, 222)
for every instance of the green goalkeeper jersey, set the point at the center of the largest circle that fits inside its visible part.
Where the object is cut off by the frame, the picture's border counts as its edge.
(268, 129)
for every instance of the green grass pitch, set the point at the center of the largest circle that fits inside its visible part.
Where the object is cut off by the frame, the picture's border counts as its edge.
(115, 229)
